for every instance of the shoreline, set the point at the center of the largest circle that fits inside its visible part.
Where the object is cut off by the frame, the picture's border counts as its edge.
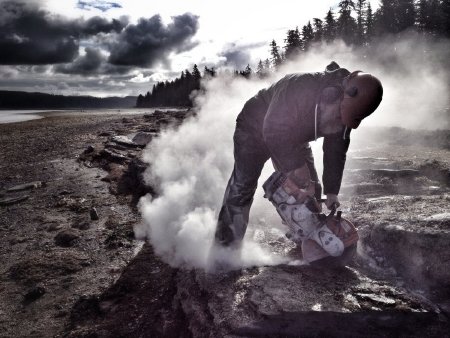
(8, 116)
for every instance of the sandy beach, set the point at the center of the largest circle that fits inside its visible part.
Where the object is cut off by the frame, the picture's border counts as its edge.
(54, 251)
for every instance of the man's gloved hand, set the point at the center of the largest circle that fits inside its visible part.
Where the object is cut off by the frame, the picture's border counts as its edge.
(300, 184)
(332, 199)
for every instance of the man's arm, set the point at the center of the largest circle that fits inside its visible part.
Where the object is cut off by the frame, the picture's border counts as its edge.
(334, 155)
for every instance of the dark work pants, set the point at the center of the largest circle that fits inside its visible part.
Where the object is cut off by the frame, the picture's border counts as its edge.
(250, 154)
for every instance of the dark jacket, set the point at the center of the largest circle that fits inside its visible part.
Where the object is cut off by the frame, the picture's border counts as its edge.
(283, 116)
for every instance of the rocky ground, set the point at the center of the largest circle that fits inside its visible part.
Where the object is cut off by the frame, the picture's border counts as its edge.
(71, 267)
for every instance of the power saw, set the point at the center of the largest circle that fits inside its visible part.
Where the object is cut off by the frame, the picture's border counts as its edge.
(319, 235)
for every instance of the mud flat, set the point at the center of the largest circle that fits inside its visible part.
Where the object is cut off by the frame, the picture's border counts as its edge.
(71, 267)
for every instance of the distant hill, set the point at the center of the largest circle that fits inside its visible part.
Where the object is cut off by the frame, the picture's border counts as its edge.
(25, 100)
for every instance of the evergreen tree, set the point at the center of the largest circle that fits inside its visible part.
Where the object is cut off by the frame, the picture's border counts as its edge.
(385, 20)
(405, 14)
(445, 18)
(274, 52)
(318, 30)
(308, 35)
(247, 72)
(196, 77)
(140, 101)
(330, 27)
(293, 43)
(260, 70)
(369, 23)
(346, 25)
(267, 65)
(434, 17)
(360, 21)
(210, 72)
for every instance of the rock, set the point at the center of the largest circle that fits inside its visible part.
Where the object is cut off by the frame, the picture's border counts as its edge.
(377, 299)
(13, 200)
(81, 225)
(142, 138)
(132, 181)
(66, 238)
(90, 149)
(105, 133)
(113, 156)
(34, 294)
(127, 120)
(116, 146)
(25, 186)
(54, 227)
(94, 214)
(115, 172)
(124, 141)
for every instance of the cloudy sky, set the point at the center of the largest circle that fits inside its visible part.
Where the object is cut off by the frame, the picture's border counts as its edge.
(104, 48)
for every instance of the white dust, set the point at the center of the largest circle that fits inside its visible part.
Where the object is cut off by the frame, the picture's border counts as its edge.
(191, 165)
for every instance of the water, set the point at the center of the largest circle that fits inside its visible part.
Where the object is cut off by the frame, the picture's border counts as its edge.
(11, 116)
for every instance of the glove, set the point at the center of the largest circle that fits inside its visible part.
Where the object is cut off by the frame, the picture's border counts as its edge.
(300, 184)
(332, 199)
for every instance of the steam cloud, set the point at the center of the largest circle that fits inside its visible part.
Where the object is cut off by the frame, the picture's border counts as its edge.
(191, 165)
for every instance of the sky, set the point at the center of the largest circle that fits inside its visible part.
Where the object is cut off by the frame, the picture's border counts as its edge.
(122, 47)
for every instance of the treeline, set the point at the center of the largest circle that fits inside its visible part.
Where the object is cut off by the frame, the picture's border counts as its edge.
(25, 100)
(354, 22)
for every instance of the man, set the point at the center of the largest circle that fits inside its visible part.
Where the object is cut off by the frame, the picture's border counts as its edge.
(278, 122)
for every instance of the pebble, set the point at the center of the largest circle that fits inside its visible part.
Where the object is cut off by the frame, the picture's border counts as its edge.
(25, 186)
(94, 214)
(66, 238)
(34, 294)
(13, 200)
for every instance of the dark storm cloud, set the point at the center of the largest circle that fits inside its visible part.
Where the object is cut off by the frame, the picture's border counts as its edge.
(150, 41)
(85, 65)
(98, 4)
(238, 56)
(97, 25)
(91, 64)
(29, 35)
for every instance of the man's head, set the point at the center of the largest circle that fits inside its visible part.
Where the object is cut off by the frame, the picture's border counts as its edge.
(362, 93)
(347, 104)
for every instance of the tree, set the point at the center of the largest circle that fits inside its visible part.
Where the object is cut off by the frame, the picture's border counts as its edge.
(445, 18)
(330, 27)
(318, 30)
(428, 16)
(385, 20)
(247, 72)
(360, 21)
(369, 23)
(274, 52)
(293, 43)
(211, 72)
(260, 69)
(346, 25)
(267, 65)
(308, 35)
(405, 14)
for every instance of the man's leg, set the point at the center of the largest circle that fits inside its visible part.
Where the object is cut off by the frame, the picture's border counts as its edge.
(250, 156)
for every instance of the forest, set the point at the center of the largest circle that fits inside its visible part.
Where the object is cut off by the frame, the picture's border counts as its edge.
(25, 100)
(354, 22)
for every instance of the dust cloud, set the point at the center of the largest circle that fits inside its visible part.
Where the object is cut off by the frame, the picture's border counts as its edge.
(190, 165)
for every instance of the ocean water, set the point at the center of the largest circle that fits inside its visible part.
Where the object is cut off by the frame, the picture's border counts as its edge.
(10, 116)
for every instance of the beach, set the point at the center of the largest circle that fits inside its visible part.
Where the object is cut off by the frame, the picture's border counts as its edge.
(71, 266)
